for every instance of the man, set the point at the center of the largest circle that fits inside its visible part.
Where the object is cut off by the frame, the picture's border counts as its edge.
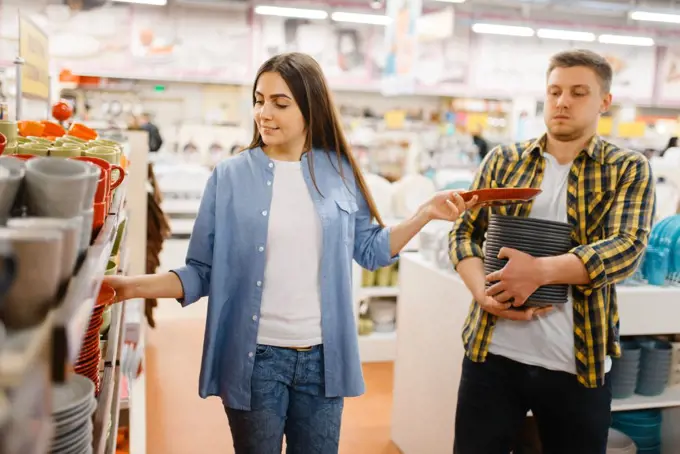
(155, 139)
(552, 361)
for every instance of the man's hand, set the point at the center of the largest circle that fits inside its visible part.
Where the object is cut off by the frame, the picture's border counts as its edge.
(517, 280)
(505, 310)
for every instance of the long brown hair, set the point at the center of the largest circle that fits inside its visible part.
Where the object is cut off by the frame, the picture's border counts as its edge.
(306, 81)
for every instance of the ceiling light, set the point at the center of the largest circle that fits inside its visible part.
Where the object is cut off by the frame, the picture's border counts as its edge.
(567, 35)
(494, 29)
(655, 17)
(291, 12)
(145, 2)
(450, 1)
(626, 40)
(356, 18)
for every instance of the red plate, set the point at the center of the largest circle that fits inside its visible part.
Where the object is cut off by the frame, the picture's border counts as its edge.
(501, 196)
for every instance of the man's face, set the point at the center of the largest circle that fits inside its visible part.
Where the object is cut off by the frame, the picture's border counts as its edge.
(574, 101)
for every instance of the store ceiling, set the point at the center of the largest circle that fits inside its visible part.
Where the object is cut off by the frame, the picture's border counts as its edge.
(611, 15)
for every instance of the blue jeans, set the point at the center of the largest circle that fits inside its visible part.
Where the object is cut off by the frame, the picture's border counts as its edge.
(287, 399)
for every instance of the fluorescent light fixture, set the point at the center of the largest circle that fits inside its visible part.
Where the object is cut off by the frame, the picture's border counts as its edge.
(655, 17)
(450, 1)
(145, 2)
(495, 29)
(357, 18)
(626, 40)
(567, 35)
(290, 12)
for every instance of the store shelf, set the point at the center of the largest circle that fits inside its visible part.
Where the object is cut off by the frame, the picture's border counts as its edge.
(378, 347)
(378, 292)
(670, 398)
(73, 315)
(108, 397)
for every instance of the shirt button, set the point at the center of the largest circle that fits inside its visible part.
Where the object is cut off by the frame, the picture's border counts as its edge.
(260, 249)
(250, 354)
(264, 213)
(271, 165)
(259, 283)
(254, 317)
(269, 183)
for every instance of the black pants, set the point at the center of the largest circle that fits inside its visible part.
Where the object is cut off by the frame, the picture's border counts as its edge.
(495, 396)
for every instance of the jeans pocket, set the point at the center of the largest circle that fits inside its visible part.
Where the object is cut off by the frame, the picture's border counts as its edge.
(263, 351)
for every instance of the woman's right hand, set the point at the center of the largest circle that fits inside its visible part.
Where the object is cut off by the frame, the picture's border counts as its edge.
(163, 285)
(123, 285)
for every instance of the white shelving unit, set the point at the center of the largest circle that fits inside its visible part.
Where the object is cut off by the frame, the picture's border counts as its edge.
(377, 346)
(433, 305)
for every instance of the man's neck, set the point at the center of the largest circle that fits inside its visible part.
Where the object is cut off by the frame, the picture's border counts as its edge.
(566, 152)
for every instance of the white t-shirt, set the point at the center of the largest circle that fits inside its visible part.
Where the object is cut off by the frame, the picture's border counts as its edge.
(290, 314)
(549, 340)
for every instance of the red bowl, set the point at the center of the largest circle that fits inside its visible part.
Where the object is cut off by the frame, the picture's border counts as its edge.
(3, 143)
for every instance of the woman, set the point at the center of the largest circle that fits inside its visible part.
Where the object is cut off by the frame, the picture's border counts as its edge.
(272, 246)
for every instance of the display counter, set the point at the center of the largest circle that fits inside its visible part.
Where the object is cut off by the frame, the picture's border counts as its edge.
(433, 305)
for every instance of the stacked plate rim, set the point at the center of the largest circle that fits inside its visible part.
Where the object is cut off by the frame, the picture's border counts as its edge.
(73, 403)
(536, 237)
(89, 357)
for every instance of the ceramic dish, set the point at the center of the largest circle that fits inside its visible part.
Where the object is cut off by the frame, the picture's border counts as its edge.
(501, 196)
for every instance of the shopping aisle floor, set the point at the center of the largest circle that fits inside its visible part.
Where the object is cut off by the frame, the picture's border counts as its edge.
(180, 422)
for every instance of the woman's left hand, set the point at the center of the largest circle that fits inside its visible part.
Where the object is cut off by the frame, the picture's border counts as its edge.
(446, 206)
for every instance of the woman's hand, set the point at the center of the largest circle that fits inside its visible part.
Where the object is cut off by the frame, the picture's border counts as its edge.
(446, 206)
(123, 285)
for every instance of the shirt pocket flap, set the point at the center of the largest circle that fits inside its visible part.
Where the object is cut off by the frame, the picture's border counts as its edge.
(347, 205)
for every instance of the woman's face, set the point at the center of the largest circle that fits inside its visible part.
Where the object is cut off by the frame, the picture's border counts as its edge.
(277, 115)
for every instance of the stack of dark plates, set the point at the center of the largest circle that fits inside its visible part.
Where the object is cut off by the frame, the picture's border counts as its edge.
(536, 237)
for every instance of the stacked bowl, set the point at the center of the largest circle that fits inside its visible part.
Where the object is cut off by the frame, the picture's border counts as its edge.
(624, 373)
(643, 427)
(655, 366)
(536, 237)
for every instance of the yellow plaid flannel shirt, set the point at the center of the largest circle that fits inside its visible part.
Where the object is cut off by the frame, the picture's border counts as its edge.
(610, 203)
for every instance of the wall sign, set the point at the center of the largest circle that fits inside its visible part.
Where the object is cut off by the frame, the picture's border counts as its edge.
(34, 49)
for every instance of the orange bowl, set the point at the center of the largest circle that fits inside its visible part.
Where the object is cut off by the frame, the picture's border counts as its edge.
(107, 295)
(82, 132)
(31, 128)
(53, 129)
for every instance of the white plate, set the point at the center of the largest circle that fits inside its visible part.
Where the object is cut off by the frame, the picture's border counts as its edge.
(71, 394)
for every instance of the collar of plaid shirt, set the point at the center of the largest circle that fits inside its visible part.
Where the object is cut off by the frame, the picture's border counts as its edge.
(610, 203)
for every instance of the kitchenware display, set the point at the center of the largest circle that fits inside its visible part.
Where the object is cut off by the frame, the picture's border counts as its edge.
(624, 372)
(10, 183)
(536, 237)
(655, 365)
(10, 130)
(90, 354)
(642, 426)
(70, 229)
(501, 196)
(53, 129)
(83, 132)
(620, 443)
(73, 404)
(57, 187)
(38, 257)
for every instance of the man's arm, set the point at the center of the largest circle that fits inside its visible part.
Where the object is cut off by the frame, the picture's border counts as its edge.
(616, 257)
